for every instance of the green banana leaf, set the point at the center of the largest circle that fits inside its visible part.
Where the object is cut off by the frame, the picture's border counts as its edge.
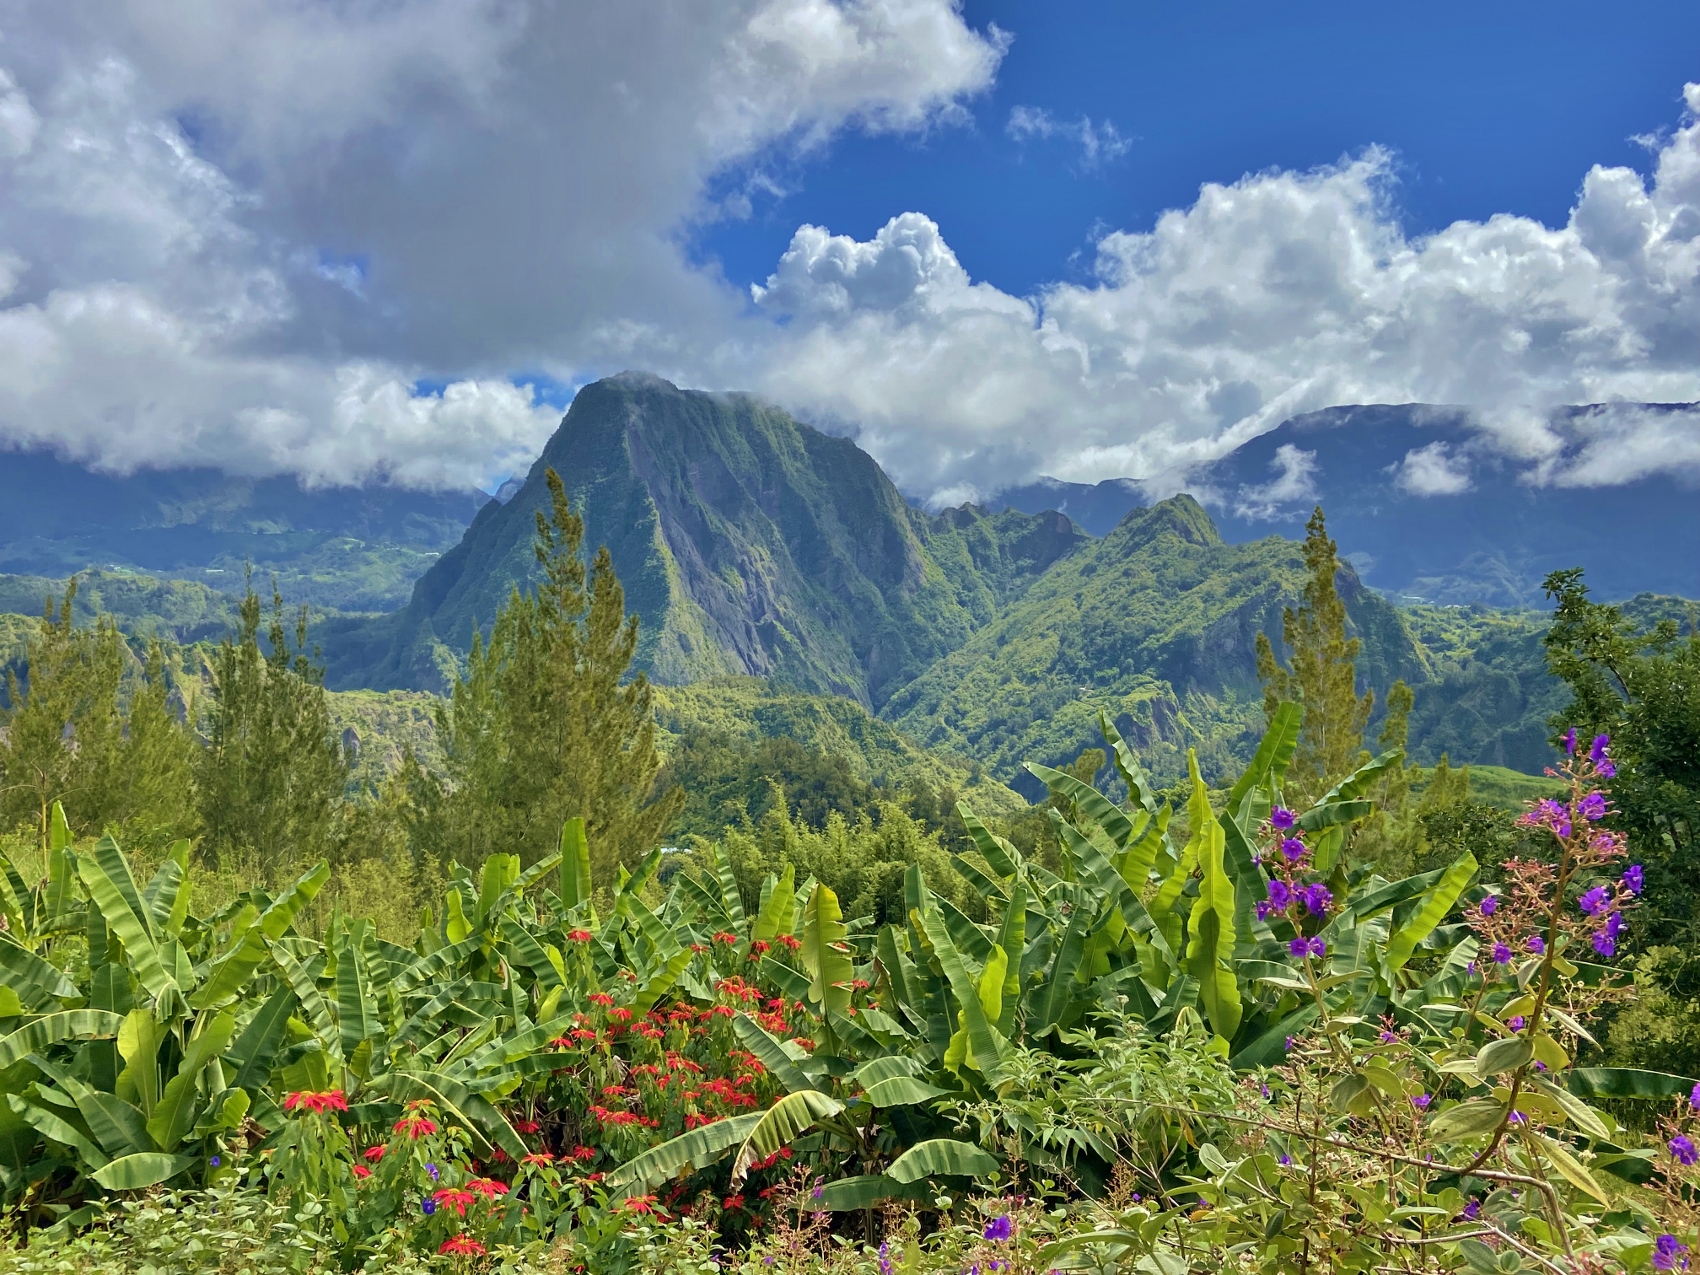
(50, 1029)
(144, 1169)
(779, 1124)
(942, 1157)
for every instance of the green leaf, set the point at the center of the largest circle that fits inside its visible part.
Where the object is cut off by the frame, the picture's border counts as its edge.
(776, 914)
(1439, 902)
(772, 1054)
(1087, 800)
(33, 979)
(124, 919)
(1000, 855)
(175, 1115)
(693, 1150)
(863, 1192)
(779, 1124)
(1210, 943)
(902, 1091)
(51, 1124)
(1504, 1055)
(1566, 1163)
(575, 864)
(357, 1012)
(144, 1169)
(830, 969)
(488, 1127)
(138, 1044)
(984, 1041)
(1467, 1119)
(942, 1157)
(1627, 1082)
(1335, 814)
(50, 1029)
(257, 1045)
(304, 982)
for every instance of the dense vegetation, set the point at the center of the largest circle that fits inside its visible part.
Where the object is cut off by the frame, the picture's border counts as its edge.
(263, 1009)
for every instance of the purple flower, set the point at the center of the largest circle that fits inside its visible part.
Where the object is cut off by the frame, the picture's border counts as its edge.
(1421, 1101)
(432, 1170)
(1605, 944)
(1317, 899)
(1280, 895)
(1501, 954)
(1605, 770)
(1490, 905)
(1387, 1038)
(1550, 808)
(1668, 1254)
(1634, 879)
(1263, 910)
(1570, 741)
(215, 1162)
(1470, 968)
(1597, 750)
(1280, 819)
(1302, 947)
(1283, 1159)
(1594, 901)
(1694, 1098)
(1293, 849)
(427, 1206)
(1473, 1210)
(1539, 1065)
(1593, 807)
(1289, 1045)
(1517, 1117)
(1537, 944)
(885, 1257)
(1516, 1023)
(1683, 1151)
(999, 1228)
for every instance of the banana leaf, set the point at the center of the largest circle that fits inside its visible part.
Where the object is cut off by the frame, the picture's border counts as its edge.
(145, 1169)
(779, 1124)
(50, 1029)
(692, 1150)
(942, 1157)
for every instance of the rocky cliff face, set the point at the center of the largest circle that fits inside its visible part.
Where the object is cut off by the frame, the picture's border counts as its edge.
(747, 543)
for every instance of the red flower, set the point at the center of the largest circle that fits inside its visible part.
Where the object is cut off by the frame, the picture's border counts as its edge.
(450, 1198)
(462, 1246)
(601, 998)
(791, 941)
(561, 1042)
(758, 947)
(330, 1100)
(374, 1154)
(725, 936)
(621, 1015)
(638, 1204)
(578, 936)
(584, 1153)
(527, 1126)
(538, 1158)
(732, 1202)
(489, 1188)
(361, 1171)
(416, 1128)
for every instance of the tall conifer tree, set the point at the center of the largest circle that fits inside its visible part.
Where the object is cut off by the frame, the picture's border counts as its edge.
(546, 724)
(272, 775)
(1322, 675)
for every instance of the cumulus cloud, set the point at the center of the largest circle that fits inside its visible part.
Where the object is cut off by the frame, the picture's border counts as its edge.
(1432, 471)
(1280, 293)
(239, 232)
(1294, 483)
(1099, 143)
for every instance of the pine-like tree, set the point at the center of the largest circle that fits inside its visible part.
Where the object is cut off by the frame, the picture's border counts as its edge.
(1322, 675)
(547, 723)
(272, 776)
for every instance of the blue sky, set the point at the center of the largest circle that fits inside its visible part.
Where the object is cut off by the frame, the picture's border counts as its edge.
(385, 240)
(1488, 108)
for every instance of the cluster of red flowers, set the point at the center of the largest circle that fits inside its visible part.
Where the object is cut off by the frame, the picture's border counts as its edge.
(609, 1117)
(330, 1100)
(462, 1246)
(767, 1162)
(415, 1127)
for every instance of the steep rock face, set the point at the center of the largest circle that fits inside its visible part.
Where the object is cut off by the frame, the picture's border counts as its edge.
(749, 544)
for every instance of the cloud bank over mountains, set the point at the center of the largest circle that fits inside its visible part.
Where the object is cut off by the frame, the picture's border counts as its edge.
(246, 232)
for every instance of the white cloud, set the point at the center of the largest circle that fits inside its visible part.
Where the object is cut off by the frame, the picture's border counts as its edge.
(1432, 471)
(1280, 293)
(237, 231)
(1294, 483)
(1099, 143)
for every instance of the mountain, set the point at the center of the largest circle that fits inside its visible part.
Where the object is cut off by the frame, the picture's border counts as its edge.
(1428, 512)
(749, 545)
(352, 548)
(1155, 624)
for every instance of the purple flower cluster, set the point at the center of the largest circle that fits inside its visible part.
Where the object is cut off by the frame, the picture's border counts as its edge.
(1000, 1228)
(1683, 1150)
(1605, 941)
(1302, 947)
(1668, 1255)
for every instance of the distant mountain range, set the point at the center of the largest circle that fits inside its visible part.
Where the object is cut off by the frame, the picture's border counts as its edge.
(1426, 510)
(351, 548)
(752, 545)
